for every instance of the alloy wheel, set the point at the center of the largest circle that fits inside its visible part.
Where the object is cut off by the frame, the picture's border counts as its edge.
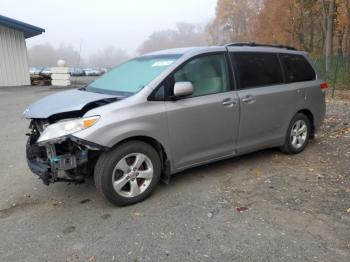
(298, 134)
(132, 175)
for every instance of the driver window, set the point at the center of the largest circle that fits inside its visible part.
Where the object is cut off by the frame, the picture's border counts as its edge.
(208, 74)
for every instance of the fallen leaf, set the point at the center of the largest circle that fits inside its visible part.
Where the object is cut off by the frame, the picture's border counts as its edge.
(256, 172)
(241, 209)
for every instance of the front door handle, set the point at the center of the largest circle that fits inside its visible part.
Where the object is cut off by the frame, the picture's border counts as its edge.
(249, 99)
(229, 102)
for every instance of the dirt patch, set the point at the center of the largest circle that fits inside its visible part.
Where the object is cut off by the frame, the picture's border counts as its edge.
(68, 230)
(106, 216)
(8, 211)
(84, 201)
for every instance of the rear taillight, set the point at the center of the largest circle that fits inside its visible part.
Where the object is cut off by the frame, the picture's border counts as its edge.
(324, 86)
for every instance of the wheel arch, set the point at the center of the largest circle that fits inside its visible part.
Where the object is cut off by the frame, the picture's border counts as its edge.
(311, 117)
(163, 154)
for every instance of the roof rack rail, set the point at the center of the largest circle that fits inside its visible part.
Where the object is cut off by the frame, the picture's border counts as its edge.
(260, 45)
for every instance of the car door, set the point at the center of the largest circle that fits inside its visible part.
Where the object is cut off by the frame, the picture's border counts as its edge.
(267, 104)
(204, 125)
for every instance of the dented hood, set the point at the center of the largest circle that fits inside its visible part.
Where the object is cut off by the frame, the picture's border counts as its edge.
(62, 102)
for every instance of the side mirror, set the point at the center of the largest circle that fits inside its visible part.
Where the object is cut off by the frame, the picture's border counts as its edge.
(182, 89)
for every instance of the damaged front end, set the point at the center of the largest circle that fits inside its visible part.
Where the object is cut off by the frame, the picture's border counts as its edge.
(67, 159)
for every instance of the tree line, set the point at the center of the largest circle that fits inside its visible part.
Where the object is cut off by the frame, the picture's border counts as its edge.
(320, 27)
(185, 34)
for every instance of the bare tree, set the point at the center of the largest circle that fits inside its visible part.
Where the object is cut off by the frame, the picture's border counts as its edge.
(41, 56)
(329, 14)
(47, 56)
(68, 54)
(184, 35)
(346, 44)
(108, 57)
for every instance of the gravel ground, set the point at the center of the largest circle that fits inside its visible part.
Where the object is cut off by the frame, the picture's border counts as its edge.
(264, 206)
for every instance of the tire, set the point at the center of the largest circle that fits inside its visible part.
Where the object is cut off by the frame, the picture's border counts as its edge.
(123, 169)
(292, 146)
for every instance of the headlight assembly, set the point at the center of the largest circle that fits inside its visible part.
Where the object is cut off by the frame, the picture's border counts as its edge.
(67, 127)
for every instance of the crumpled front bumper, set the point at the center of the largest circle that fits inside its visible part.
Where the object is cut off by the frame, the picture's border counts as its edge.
(48, 165)
(40, 169)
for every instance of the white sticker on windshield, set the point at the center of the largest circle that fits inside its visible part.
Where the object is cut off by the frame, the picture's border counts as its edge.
(163, 63)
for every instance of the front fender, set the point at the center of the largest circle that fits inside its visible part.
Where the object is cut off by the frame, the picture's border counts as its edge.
(147, 119)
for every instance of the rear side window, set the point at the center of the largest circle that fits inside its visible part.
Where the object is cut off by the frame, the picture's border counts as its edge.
(256, 69)
(297, 68)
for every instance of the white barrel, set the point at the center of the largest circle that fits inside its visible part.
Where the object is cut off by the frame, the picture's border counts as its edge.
(60, 82)
(60, 76)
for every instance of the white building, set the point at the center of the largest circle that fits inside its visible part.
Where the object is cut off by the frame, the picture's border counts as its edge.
(14, 69)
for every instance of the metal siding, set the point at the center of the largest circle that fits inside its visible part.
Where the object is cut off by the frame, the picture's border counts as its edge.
(13, 58)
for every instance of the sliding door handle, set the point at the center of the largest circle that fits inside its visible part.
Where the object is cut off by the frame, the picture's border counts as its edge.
(249, 99)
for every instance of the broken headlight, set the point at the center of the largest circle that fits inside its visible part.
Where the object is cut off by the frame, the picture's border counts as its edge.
(66, 127)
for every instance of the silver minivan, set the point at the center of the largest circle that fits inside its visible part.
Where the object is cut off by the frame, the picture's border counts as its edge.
(164, 112)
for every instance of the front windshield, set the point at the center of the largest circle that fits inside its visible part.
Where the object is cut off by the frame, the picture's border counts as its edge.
(131, 76)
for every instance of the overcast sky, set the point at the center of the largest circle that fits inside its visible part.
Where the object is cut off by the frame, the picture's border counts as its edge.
(98, 23)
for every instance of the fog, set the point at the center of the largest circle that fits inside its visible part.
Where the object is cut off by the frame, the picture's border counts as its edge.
(97, 26)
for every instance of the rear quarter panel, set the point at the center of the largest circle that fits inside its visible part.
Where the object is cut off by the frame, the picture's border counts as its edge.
(316, 102)
(311, 98)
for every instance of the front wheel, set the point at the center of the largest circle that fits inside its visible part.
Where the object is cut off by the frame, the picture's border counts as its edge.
(298, 134)
(128, 173)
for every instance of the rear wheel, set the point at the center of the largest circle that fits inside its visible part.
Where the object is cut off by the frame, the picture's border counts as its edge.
(128, 173)
(298, 134)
